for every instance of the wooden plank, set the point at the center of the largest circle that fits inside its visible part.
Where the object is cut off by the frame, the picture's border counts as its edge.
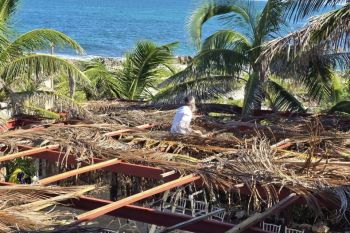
(258, 217)
(134, 198)
(30, 152)
(191, 221)
(78, 171)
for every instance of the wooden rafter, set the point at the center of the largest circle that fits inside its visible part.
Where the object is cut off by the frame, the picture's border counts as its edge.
(88, 216)
(78, 171)
(30, 152)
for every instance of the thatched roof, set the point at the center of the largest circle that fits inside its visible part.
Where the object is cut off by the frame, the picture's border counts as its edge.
(230, 159)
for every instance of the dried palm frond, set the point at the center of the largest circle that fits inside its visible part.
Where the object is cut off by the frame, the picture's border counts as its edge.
(20, 206)
(327, 32)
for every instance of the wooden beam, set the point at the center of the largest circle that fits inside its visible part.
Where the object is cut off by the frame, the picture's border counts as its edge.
(258, 217)
(78, 171)
(134, 198)
(191, 221)
(30, 152)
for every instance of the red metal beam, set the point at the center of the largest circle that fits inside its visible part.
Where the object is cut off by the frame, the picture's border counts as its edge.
(78, 171)
(159, 218)
(137, 197)
(152, 216)
(123, 167)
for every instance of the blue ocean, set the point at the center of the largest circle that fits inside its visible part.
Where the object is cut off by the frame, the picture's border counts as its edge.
(110, 28)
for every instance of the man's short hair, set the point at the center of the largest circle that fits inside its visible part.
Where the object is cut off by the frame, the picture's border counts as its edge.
(189, 100)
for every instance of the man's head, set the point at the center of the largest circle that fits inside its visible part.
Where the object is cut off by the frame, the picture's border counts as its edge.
(190, 102)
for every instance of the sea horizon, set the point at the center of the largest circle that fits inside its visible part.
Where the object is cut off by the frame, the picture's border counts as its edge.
(110, 28)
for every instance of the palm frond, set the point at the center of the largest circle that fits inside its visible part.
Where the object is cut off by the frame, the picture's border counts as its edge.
(270, 20)
(312, 69)
(301, 8)
(329, 31)
(227, 39)
(38, 39)
(211, 62)
(202, 89)
(8, 7)
(106, 83)
(143, 66)
(32, 66)
(44, 102)
(252, 95)
(209, 10)
(280, 99)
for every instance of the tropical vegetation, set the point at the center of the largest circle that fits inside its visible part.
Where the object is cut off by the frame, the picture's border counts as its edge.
(137, 77)
(249, 53)
(23, 72)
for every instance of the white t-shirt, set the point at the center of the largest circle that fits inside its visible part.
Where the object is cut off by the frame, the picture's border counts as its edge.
(182, 120)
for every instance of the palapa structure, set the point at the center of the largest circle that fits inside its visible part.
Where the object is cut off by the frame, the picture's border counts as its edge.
(272, 162)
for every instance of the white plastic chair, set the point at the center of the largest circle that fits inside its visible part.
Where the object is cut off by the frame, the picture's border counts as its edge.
(180, 206)
(271, 227)
(291, 230)
(199, 208)
(219, 216)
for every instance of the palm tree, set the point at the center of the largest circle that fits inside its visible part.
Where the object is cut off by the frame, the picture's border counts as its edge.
(225, 57)
(20, 68)
(143, 68)
(138, 75)
(105, 83)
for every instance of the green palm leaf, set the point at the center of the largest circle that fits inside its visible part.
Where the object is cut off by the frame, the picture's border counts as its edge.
(220, 62)
(301, 8)
(144, 66)
(39, 39)
(270, 20)
(227, 39)
(7, 8)
(31, 66)
(207, 11)
(105, 82)
(252, 95)
(202, 89)
(280, 99)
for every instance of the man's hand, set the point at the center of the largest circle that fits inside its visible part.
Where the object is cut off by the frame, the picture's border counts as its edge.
(197, 132)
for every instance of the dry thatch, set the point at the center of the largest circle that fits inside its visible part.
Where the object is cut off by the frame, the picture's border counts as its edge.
(313, 164)
(21, 205)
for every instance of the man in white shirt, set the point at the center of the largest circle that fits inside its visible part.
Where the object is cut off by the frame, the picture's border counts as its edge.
(182, 120)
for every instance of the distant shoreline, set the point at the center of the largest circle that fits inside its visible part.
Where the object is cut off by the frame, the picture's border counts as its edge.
(113, 62)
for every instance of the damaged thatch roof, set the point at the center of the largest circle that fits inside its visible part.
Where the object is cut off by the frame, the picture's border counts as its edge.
(21, 206)
(227, 161)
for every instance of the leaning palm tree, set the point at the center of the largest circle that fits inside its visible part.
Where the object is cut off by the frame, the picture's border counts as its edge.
(20, 67)
(227, 56)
